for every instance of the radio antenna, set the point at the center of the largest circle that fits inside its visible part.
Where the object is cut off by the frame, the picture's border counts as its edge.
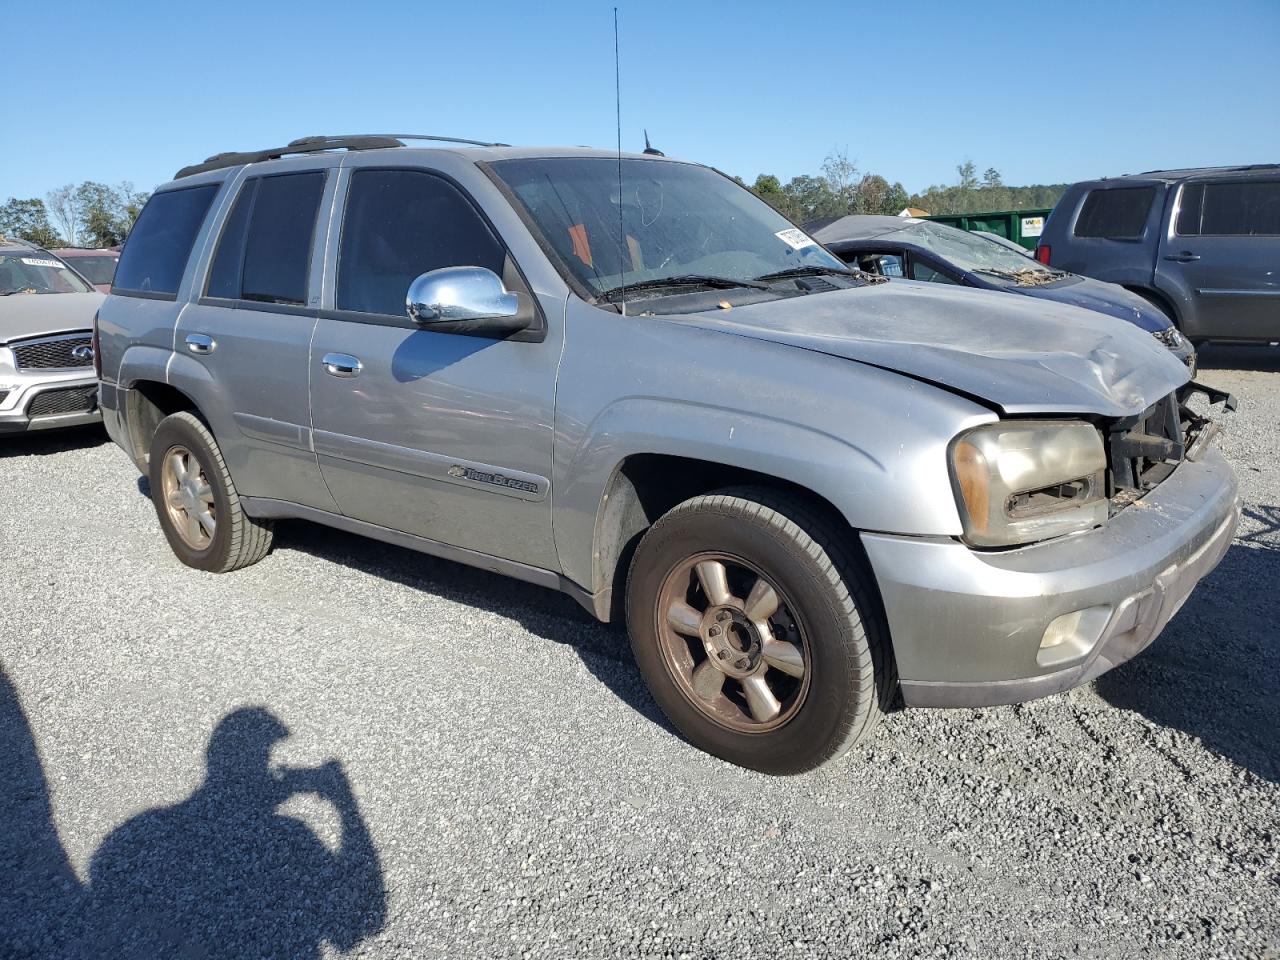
(622, 232)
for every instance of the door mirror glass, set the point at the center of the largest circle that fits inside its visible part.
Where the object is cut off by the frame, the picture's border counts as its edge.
(460, 293)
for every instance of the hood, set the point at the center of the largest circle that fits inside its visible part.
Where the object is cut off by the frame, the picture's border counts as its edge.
(1109, 298)
(1021, 355)
(24, 315)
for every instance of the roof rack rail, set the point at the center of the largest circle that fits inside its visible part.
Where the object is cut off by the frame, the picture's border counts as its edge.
(318, 144)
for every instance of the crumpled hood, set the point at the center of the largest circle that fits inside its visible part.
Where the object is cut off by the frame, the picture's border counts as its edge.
(1109, 298)
(25, 315)
(1022, 355)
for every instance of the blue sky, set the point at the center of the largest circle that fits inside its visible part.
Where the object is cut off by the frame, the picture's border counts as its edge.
(1043, 92)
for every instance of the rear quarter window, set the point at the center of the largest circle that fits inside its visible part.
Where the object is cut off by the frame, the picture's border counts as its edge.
(1240, 209)
(1118, 213)
(159, 245)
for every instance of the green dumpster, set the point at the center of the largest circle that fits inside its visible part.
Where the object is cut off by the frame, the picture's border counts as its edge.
(1020, 226)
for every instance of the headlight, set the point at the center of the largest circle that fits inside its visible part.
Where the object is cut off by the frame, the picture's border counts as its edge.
(1026, 480)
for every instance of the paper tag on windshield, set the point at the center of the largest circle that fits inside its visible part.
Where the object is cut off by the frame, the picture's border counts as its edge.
(33, 262)
(796, 239)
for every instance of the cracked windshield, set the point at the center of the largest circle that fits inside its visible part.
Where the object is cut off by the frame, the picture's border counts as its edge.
(972, 252)
(685, 226)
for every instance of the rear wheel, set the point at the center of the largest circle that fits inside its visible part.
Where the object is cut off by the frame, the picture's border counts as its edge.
(755, 630)
(196, 500)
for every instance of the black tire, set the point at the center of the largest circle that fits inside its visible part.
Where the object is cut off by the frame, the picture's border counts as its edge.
(852, 677)
(238, 540)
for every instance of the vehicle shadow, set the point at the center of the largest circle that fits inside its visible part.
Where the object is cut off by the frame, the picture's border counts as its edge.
(1215, 671)
(43, 443)
(602, 648)
(1222, 356)
(222, 874)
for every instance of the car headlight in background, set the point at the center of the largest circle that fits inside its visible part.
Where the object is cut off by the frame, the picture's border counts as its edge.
(1026, 480)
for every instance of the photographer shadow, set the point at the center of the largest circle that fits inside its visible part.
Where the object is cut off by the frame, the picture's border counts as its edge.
(222, 874)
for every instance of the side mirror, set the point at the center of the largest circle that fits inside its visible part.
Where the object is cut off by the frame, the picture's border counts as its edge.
(460, 295)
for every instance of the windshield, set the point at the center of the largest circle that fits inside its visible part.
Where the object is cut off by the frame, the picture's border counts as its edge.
(99, 269)
(37, 272)
(679, 220)
(971, 252)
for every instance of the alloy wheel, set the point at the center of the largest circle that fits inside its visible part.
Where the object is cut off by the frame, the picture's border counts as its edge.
(732, 642)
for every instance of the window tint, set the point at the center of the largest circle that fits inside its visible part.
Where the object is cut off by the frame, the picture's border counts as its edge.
(1119, 213)
(1230, 209)
(400, 224)
(921, 272)
(277, 251)
(159, 244)
(224, 274)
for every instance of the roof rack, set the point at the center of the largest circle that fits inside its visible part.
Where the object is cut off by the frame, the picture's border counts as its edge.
(320, 144)
(1180, 172)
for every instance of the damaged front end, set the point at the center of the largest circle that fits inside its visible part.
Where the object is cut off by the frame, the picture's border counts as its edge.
(1144, 449)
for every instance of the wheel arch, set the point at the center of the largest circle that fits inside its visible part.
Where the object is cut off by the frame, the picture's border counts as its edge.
(644, 486)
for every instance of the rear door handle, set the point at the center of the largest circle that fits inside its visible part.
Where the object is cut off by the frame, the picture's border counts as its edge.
(342, 365)
(199, 343)
(1186, 256)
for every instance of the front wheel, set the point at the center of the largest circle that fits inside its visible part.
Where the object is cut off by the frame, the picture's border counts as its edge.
(196, 500)
(755, 630)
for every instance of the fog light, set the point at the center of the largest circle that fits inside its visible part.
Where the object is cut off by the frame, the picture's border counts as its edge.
(1072, 635)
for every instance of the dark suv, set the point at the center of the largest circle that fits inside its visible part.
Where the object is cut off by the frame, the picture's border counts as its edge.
(1202, 244)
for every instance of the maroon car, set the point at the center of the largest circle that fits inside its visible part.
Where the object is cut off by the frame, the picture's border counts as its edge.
(96, 266)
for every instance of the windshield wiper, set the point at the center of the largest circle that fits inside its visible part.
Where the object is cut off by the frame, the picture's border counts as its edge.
(683, 280)
(809, 271)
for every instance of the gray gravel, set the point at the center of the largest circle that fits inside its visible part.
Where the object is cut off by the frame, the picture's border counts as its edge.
(512, 791)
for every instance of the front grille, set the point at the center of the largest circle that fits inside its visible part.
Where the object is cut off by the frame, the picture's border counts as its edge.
(1143, 450)
(54, 353)
(65, 400)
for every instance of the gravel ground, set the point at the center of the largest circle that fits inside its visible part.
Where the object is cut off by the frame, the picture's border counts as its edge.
(501, 785)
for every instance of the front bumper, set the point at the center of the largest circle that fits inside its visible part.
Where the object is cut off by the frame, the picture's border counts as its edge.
(46, 390)
(967, 626)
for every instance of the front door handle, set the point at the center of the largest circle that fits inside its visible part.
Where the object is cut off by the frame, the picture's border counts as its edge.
(1186, 256)
(342, 365)
(199, 343)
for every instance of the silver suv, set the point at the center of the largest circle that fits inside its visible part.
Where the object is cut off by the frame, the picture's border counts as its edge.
(806, 489)
(46, 354)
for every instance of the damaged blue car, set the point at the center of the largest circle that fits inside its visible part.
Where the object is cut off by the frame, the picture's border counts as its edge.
(922, 250)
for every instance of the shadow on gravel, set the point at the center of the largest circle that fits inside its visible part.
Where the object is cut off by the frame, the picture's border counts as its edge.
(603, 648)
(223, 874)
(43, 443)
(1215, 671)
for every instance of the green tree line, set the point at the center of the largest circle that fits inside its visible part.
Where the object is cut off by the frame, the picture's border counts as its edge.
(840, 189)
(89, 215)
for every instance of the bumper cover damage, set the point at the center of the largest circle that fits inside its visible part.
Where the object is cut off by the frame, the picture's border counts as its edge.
(970, 628)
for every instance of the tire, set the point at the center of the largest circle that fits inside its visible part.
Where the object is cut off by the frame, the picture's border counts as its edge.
(825, 607)
(237, 540)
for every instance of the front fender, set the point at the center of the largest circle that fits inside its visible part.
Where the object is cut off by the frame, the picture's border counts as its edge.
(866, 489)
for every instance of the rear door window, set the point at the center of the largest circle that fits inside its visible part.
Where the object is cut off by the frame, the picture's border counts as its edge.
(1119, 213)
(277, 248)
(1249, 208)
(155, 256)
(400, 224)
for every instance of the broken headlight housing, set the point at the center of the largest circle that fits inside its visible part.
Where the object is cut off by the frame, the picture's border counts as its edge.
(1024, 480)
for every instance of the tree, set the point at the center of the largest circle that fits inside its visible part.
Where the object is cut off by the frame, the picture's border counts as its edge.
(29, 220)
(872, 190)
(841, 175)
(65, 213)
(992, 178)
(101, 211)
(896, 200)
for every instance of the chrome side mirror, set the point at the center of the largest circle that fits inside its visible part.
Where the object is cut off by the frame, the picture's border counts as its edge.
(460, 293)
